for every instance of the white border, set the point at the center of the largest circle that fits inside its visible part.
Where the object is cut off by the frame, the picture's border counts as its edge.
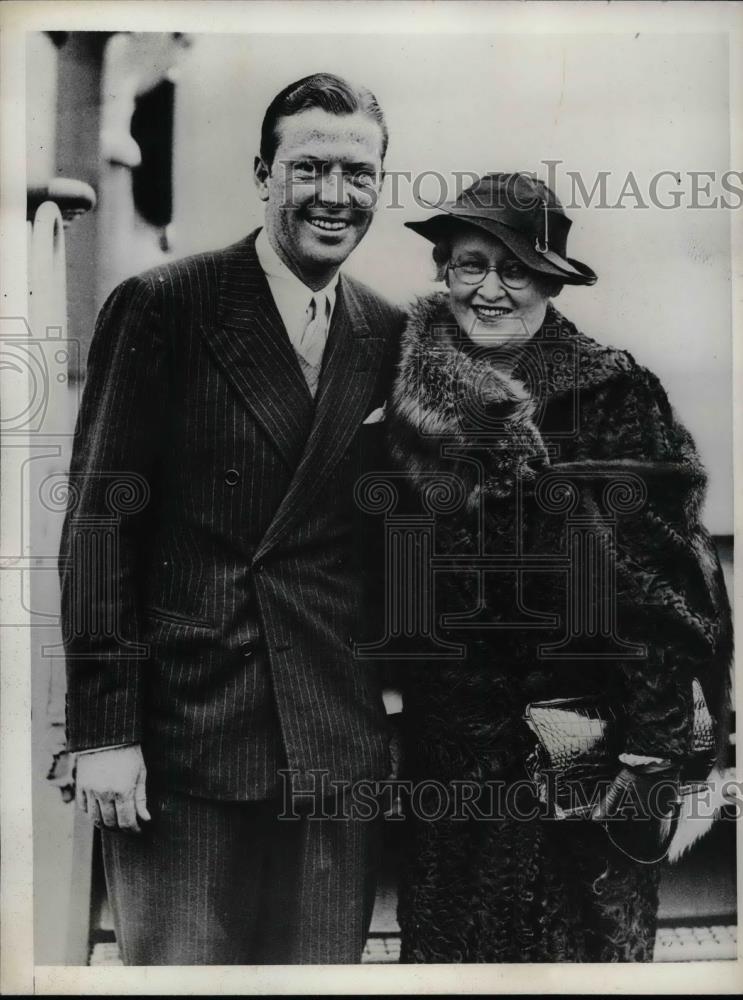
(16, 886)
(17, 974)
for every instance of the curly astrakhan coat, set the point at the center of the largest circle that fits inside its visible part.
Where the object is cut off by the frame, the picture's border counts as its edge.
(509, 888)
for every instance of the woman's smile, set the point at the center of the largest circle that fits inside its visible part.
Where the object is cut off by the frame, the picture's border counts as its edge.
(490, 314)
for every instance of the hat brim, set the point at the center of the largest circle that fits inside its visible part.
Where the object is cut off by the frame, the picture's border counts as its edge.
(568, 270)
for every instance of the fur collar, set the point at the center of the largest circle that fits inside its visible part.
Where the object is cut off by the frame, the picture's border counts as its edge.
(448, 391)
(432, 329)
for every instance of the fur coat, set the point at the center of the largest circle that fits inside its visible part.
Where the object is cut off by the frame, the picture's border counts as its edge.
(559, 442)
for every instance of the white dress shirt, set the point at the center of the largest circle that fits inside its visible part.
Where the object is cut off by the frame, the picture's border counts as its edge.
(291, 295)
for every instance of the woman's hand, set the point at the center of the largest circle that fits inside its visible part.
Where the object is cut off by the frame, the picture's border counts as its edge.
(641, 810)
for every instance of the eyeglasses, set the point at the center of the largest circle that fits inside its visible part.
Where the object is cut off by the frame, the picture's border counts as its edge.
(512, 273)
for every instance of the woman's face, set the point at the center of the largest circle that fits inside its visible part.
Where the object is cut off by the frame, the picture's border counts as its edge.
(490, 313)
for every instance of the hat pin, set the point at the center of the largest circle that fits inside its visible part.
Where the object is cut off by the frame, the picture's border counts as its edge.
(537, 246)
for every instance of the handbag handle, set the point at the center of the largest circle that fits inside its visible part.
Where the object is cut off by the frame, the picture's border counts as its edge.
(669, 835)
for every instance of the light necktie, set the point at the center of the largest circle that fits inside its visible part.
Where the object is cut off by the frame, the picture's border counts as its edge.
(312, 341)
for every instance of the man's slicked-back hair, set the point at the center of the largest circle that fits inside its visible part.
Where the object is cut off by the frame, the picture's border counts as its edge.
(320, 90)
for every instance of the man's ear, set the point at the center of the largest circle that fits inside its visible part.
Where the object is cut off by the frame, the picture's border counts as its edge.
(261, 173)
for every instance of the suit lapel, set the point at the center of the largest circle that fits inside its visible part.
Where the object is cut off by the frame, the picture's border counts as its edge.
(251, 347)
(352, 360)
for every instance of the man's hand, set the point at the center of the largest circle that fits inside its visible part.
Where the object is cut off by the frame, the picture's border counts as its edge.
(110, 787)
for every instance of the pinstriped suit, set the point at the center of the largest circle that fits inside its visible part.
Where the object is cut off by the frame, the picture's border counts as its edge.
(235, 591)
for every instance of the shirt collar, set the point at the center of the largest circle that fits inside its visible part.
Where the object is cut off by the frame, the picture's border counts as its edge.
(276, 270)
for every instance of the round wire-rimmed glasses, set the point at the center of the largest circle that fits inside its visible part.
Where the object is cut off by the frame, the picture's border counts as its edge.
(511, 273)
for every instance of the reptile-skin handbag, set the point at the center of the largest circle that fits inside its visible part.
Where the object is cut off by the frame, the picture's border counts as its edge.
(578, 743)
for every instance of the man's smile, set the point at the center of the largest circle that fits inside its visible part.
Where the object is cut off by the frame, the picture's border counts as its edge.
(329, 225)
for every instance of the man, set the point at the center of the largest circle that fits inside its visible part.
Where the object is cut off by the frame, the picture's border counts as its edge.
(228, 393)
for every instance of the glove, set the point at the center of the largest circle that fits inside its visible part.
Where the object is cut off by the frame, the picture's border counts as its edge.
(641, 809)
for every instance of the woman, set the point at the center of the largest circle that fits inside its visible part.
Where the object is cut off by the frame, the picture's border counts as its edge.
(500, 391)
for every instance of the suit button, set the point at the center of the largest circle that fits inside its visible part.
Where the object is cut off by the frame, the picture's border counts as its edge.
(248, 649)
(232, 477)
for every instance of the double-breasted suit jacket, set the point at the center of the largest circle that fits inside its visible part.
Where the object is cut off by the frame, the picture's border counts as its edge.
(211, 580)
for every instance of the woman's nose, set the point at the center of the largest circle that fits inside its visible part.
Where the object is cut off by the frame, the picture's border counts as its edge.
(491, 286)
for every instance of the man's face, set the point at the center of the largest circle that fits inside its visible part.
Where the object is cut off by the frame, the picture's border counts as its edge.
(322, 187)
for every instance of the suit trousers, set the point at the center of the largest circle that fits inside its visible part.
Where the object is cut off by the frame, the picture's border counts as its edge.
(222, 883)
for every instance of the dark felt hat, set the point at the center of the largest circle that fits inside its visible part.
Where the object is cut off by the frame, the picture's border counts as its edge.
(522, 212)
